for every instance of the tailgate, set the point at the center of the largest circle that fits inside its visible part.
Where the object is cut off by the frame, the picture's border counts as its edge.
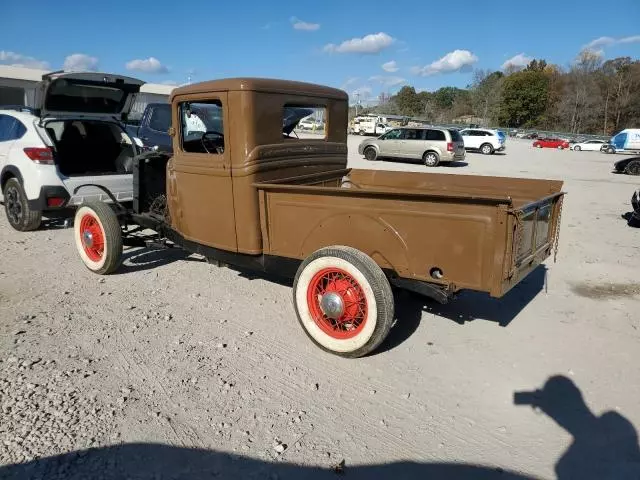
(533, 234)
(120, 185)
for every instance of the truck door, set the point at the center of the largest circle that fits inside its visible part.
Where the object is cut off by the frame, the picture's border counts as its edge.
(199, 175)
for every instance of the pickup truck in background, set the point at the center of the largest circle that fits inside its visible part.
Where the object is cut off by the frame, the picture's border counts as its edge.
(153, 129)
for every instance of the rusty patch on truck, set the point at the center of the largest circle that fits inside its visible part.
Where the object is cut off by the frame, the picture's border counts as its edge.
(604, 291)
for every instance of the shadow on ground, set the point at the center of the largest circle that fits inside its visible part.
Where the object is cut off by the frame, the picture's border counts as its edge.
(604, 447)
(467, 306)
(155, 462)
(136, 259)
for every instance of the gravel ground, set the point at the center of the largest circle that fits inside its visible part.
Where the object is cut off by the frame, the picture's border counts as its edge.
(173, 368)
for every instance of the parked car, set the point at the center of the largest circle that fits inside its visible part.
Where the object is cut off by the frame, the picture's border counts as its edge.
(607, 148)
(74, 136)
(551, 143)
(263, 200)
(153, 129)
(483, 139)
(431, 145)
(628, 165)
(588, 145)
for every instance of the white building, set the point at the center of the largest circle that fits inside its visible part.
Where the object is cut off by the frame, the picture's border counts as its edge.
(17, 87)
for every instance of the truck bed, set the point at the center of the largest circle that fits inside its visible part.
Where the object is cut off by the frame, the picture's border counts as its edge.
(482, 233)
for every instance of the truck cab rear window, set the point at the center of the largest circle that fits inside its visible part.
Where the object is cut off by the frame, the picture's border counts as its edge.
(202, 129)
(304, 122)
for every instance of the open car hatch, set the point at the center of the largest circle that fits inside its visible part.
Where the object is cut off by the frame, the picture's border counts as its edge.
(94, 94)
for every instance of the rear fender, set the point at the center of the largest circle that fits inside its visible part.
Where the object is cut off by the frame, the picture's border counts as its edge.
(370, 234)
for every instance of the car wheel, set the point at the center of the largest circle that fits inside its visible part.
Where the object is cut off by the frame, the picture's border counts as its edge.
(98, 237)
(431, 159)
(633, 168)
(343, 301)
(16, 207)
(486, 149)
(577, 148)
(370, 154)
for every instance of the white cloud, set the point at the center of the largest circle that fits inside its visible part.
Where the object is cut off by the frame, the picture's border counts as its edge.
(517, 61)
(390, 67)
(149, 65)
(458, 60)
(18, 60)
(372, 43)
(602, 42)
(387, 81)
(80, 61)
(306, 26)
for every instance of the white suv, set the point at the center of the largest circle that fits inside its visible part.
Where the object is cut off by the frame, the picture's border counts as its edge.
(74, 136)
(483, 139)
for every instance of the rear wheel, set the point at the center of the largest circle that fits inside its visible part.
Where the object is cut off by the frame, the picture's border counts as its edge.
(486, 149)
(16, 206)
(431, 159)
(633, 168)
(343, 301)
(98, 237)
(370, 153)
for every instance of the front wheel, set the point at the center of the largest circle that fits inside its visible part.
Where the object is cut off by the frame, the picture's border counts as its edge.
(577, 148)
(16, 206)
(486, 149)
(370, 154)
(98, 237)
(343, 301)
(431, 159)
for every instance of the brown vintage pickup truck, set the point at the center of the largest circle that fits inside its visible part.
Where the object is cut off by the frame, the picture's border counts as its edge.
(243, 188)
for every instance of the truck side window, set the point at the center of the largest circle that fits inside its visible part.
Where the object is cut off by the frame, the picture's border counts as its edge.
(160, 120)
(201, 127)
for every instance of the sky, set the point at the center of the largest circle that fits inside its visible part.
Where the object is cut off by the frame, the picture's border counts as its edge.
(361, 47)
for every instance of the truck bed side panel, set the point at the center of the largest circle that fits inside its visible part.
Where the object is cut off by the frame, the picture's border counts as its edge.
(410, 236)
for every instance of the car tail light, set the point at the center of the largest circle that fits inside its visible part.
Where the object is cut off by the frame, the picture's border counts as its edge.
(449, 147)
(40, 155)
(55, 201)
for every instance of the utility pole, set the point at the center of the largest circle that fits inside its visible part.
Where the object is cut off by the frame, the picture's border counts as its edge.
(357, 94)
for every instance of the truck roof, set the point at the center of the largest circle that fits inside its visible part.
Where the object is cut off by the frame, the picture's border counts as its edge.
(268, 85)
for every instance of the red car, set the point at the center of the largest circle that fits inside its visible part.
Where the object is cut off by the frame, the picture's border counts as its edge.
(551, 143)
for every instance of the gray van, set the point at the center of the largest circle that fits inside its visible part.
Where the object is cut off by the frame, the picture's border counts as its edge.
(431, 145)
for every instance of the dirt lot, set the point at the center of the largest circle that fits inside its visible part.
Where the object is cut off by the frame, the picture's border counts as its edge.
(173, 354)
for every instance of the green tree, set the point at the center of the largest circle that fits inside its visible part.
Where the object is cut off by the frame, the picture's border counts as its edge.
(524, 98)
(408, 101)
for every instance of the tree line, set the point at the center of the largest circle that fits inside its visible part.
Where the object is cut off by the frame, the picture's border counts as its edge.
(592, 96)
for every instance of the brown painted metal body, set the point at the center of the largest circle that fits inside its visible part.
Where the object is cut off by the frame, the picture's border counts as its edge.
(268, 194)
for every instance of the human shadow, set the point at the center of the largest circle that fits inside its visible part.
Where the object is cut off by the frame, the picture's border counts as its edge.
(147, 461)
(604, 447)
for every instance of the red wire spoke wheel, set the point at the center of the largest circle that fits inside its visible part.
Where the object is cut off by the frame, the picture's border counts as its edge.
(337, 303)
(343, 301)
(98, 237)
(92, 237)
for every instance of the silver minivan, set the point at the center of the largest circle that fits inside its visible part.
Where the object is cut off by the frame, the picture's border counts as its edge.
(432, 145)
